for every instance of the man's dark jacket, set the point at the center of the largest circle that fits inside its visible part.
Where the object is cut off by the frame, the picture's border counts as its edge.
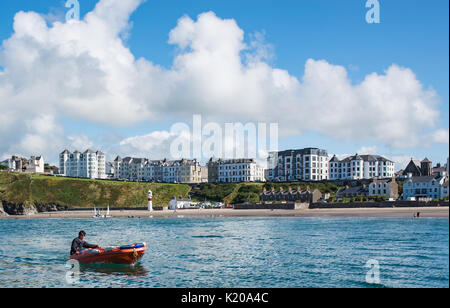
(78, 245)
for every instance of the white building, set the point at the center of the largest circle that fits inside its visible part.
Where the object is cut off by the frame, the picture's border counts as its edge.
(310, 164)
(90, 165)
(359, 167)
(239, 170)
(9, 163)
(14, 163)
(171, 171)
(423, 187)
(154, 170)
(20, 164)
(180, 203)
(35, 165)
(110, 170)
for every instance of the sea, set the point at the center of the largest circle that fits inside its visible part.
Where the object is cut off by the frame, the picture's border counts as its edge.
(231, 252)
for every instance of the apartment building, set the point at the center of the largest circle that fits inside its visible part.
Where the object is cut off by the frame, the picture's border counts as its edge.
(310, 164)
(142, 169)
(359, 167)
(213, 171)
(192, 172)
(424, 187)
(235, 171)
(90, 165)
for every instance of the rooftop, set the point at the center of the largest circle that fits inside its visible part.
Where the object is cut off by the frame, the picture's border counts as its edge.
(368, 158)
(424, 179)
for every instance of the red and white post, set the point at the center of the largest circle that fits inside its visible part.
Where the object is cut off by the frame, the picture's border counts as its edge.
(150, 201)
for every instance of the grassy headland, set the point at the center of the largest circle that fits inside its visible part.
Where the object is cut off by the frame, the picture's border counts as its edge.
(81, 193)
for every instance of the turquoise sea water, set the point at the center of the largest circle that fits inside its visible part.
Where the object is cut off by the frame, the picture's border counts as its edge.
(232, 252)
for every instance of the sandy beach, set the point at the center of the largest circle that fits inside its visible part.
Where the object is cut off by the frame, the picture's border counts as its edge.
(203, 213)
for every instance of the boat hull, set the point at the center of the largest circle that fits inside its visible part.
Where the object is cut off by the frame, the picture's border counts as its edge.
(129, 255)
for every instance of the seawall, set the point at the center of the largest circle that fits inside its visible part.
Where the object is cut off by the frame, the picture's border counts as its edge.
(395, 204)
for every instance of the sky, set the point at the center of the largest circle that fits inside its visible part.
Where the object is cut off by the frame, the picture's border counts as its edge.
(121, 76)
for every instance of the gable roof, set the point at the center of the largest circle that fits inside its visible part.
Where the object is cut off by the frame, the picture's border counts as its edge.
(424, 179)
(367, 158)
(353, 190)
(334, 159)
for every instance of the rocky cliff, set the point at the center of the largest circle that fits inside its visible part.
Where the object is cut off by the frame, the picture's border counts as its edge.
(14, 209)
(2, 211)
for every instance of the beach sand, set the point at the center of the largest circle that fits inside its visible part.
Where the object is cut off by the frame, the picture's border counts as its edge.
(441, 212)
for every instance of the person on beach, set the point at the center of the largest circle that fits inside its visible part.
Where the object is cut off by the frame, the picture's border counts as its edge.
(78, 244)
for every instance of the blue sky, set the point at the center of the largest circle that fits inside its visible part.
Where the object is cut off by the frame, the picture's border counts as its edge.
(412, 34)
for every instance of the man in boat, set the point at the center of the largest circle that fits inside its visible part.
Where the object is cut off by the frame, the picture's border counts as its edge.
(78, 244)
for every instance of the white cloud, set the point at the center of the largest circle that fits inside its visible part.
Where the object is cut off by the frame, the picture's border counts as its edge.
(83, 70)
(42, 135)
(401, 161)
(440, 136)
(165, 145)
(80, 143)
(372, 150)
(155, 145)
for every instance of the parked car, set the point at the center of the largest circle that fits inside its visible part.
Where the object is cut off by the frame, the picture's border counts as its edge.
(205, 205)
(217, 205)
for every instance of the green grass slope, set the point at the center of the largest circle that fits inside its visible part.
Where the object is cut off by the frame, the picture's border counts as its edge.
(80, 193)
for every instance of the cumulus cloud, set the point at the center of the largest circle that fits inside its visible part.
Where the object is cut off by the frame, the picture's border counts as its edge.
(83, 70)
(155, 145)
(371, 150)
(440, 136)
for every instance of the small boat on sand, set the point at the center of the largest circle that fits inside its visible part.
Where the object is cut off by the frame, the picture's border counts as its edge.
(127, 254)
(108, 213)
(98, 214)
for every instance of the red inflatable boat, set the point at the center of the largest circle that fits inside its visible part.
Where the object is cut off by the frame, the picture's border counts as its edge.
(128, 254)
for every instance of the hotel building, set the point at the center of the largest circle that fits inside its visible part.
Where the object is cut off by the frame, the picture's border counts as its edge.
(89, 165)
(310, 164)
(235, 171)
(359, 167)
(141, 169)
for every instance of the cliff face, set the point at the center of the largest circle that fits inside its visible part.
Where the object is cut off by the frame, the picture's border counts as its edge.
(18, 209)
(14, 209)
(2, 211)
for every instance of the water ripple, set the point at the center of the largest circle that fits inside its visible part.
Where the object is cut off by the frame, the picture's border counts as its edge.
(228, 252)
